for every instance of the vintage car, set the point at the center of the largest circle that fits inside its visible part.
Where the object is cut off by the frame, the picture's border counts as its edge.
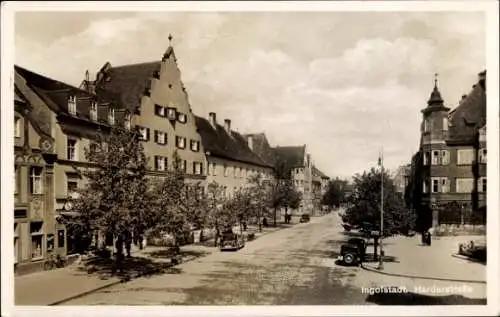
(353, 252)
(305, 218)
(231, 241)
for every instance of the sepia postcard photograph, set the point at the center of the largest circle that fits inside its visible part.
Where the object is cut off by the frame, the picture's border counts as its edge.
(250, 158)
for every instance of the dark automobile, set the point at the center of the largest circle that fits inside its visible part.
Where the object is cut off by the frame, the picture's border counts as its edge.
(231, 241)
(353, 252)
(305, 218)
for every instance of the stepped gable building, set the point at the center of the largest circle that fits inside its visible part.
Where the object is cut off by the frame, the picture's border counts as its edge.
(453, 158)
(154, 94)
(230, 161)
(53, 123)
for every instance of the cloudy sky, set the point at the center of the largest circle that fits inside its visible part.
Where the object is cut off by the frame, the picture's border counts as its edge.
(344, 83)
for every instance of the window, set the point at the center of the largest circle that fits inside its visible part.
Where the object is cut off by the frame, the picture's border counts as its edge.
(425, 188)
(60, 238)
(465, 156)
(195, 145)
(17, 127)
(16, 242)
(171, 113)
(482, 156)
(236, 172)
(426, 125)
(16, 170)
(440, 185)
(160, 163)
(36, 184)
(159, 110)
(72, 186)
(93, 111)
(36, 231)
(160, 137)
(464, 185)
(71, 150)
(445, 157)
(426, 158)
(180, 142)
(144, 133)
(214, 169)
(226, 172)
(436, 157)
(197, 168)
(445, 124)
(184, 166)
(72, 105)
(481, 187)
(209, 168)
(182, 118)
(111, 116)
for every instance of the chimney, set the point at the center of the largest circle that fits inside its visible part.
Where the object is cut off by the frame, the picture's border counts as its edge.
(227, 126)
(213, 119)
(464, 96)
(250, 142)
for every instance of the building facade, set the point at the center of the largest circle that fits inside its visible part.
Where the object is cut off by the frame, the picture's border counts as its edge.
(230, 162)
(453, 158)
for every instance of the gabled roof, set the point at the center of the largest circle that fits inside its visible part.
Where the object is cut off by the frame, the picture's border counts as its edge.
(469, 115)
(290, 156)
(261, 147)
(127, 83)
(218, 143)
(320, 173)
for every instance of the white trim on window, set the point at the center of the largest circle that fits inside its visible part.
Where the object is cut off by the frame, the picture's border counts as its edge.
(17, 127)
(72, 105)
(72, 149)
(36, 181)
(464, 185)
(93, 111)
(465, 156)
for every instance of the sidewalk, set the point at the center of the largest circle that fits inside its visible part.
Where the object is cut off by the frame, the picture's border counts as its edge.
(429, 269)
(51, 287)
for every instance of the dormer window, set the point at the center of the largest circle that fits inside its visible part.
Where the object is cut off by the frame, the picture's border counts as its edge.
(72, 105)
(111, 116)
(93, 111)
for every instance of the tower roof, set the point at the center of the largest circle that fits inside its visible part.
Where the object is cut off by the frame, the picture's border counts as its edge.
(435, 98)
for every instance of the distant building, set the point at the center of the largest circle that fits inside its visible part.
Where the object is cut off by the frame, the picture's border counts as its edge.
(294, 163)
(452, 159)
(401, 178)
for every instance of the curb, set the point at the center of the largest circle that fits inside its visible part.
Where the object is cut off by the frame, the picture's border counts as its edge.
(464, 257)
(421, 277)
(119, 281)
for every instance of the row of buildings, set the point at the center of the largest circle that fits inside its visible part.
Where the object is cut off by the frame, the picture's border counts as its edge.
(54, 122)
(446, 180)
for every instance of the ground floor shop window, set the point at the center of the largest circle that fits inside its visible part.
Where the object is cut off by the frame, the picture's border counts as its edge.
(36, 230)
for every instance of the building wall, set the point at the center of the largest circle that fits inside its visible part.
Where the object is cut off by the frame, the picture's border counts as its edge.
(233, 181)
(167, 91)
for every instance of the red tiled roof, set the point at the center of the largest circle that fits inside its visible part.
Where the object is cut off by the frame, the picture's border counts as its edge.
(469, 115)
(128, 83)
(216, 141)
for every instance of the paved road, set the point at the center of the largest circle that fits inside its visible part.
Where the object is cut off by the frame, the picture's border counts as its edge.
(290, 266)
(294, 266)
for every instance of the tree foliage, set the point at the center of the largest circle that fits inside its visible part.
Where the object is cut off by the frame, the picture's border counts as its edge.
(335, 193)
(364, 204)
(115, 198)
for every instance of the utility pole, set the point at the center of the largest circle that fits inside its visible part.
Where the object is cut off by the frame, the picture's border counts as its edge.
(381, 257)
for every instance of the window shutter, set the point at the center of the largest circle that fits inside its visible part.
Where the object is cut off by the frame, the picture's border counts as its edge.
(156, 136)
(156, 162)
(447, 184)
(147, 134)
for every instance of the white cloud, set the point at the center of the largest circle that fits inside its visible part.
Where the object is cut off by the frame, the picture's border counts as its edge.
(301, 78)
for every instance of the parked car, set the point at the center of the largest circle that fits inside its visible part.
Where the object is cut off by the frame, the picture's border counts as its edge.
(474, 249)
(305, 218)
(231, 241)
(353, 252)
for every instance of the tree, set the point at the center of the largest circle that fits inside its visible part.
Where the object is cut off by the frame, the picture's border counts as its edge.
(260, 190)
(364, 207)
(335, 193)
(241, 207)
(114, 200)
(218, 215)
(285, 195)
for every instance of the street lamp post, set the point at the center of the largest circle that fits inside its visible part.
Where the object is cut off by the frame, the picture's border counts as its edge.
(381, 257)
